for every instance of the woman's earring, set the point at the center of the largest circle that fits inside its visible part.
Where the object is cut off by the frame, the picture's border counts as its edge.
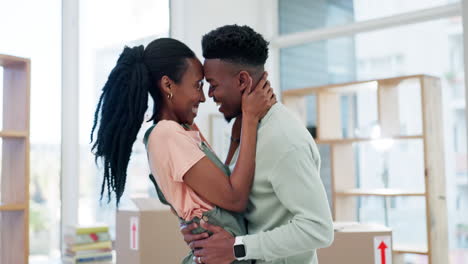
(169, 96)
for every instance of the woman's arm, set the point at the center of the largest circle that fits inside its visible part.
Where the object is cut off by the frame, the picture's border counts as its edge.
(232, 192)
(210, 182)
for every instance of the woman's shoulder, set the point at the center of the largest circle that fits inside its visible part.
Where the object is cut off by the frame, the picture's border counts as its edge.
(168, 130)
(164, 129)
(167, 126)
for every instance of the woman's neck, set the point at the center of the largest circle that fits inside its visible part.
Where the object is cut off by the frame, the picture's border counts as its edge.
(165, 114)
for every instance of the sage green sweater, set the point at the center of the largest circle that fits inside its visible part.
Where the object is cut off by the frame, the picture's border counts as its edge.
(288, 214)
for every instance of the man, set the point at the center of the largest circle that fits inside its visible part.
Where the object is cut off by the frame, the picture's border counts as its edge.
(288, 216)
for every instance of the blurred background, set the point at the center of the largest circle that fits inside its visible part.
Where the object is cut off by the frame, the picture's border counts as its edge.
(311, 43)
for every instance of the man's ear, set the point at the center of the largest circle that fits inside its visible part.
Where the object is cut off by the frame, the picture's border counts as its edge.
(245, 80)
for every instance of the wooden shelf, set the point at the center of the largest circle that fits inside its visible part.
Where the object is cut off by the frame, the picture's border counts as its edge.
(378, 192)
(358, 140)
(7, 60)
(14, 177)
(394, 113)
(409, 249)
(13, 134)
(12, 207)
(348, 87)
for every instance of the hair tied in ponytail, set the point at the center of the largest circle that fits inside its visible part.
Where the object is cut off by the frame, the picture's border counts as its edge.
(123, 102)
(139, 52)
(131, 56)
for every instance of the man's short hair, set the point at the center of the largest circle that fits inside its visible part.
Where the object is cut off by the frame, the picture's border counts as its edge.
(236, 44)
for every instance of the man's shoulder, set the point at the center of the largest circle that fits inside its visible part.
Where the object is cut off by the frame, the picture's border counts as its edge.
(283, 132)
(283, 123)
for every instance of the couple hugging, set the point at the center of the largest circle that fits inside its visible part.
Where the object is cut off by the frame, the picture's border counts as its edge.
(265, 203)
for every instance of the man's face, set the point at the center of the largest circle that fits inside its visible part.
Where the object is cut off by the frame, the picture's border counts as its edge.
(224, 87)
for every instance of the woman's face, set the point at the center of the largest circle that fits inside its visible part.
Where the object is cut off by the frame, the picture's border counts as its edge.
(189, 92)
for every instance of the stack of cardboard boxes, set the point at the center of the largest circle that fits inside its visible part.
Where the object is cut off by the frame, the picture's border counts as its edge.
(358, 243)
(147, 233)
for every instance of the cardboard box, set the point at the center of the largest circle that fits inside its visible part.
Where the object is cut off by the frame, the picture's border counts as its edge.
(357, 243)
(148, 233)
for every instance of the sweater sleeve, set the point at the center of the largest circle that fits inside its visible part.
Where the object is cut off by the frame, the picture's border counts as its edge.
(297, 184)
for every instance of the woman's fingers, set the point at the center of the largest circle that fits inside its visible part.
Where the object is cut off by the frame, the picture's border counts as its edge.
(269, 92)
(263, 81)
(248, 90)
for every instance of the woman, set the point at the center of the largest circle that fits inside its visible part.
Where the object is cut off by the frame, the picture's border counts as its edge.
(189, 177)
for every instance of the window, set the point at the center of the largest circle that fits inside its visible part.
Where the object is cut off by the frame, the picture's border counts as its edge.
(303, 15)
(105, 28)
(435, 48)
(27, 32)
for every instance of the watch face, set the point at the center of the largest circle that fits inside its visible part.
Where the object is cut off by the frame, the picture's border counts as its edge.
(239, 251)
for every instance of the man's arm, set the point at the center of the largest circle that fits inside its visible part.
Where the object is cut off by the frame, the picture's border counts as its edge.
(297, 184)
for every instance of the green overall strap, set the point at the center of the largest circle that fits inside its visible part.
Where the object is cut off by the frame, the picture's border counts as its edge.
(211, 155)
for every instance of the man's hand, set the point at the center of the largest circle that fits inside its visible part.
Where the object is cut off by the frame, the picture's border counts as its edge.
(187, 233)
(217, 249)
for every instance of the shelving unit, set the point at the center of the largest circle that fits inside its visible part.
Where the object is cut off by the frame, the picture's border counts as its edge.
(388, 94)
(378, 192)
(14, 178)
(358, 140)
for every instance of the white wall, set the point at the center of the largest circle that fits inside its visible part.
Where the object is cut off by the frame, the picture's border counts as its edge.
(465, 48)
(191, 19)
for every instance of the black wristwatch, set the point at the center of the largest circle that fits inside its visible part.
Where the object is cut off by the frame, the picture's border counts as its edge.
(239, 248)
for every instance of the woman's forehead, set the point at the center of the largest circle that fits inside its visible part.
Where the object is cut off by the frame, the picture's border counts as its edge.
(195, 69)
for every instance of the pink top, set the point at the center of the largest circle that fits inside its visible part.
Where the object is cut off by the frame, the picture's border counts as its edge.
(172, 151)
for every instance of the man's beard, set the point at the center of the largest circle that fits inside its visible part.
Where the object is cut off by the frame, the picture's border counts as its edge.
(230, 115)
(230, 118)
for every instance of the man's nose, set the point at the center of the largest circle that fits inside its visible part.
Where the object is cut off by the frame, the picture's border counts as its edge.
(202, 97)
(211, 92)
